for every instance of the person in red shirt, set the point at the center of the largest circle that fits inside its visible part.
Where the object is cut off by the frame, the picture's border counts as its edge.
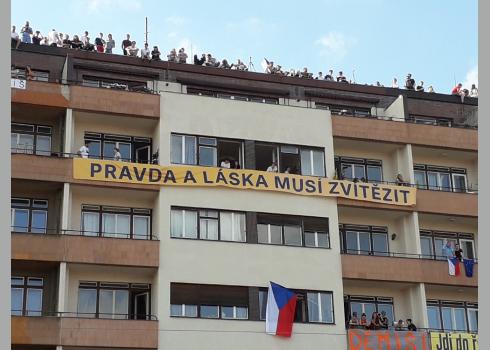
(457, 89)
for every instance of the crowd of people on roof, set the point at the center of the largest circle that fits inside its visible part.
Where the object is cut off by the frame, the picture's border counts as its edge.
(129, 47)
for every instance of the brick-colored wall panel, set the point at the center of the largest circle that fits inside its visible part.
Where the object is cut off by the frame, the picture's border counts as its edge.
(403, 270)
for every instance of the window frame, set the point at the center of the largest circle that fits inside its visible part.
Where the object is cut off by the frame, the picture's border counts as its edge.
(371, 230)
(218, 218)
(30, 208)
(366, 163)
(445, 235)
(425, 169)
(104, 209)
(302, 295)
(132, 288)
(103, 138)
(451, 304)
(35, 133)
(365, 299)
(292, 220)
(25, 287)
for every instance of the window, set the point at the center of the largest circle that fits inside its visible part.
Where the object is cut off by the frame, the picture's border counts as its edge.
(209, 301)
(206, 151)
(26, 296)
(132, 148)
(438, 178)
(234, 312)
(293, 231)
(320, 308)
(452, 315)
(364, 240)
(312, 162)
(345, 110)
(116, 222)
(114, 300)
(29, 215)
(183, 310)
(433, 243)
(368, 305)
(429, 120)
(358, 168)
(311, 306)
(30, 139)
(232, 96)
(213, 224)
(20, 73)
(183, 223)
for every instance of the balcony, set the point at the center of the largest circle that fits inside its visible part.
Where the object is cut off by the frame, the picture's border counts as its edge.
(41, 93)
(402, 132)
(82, 249)
(57, 169)
(84, 332)
(451, 203)
(114, 101)
(399, 269)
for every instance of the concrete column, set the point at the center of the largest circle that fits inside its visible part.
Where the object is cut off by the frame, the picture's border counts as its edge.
(418, 305)
(404, 163)
(69, 131)
(66, 207)
(62, 287)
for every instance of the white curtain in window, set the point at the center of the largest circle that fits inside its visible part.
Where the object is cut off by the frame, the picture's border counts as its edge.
(141, 227)
(90, 224)
(87, 302)
(176, 223)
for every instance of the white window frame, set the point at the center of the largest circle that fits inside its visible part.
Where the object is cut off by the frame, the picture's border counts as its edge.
(235, 236)
(316, 233)
(183, 153)
(182, 310)
(320, 307)
(425, 185)
(472, 245)
(359, 252)
(113, 314)
(454, 189)
(312, 167)
(13, 227)
(183, 211)
(453, 319)
(90, 233)
(470, 328)
(269, 234)
(439, 186)
(45, 213)
(148, 224)
(234, 317)
(439, 315)
(116, 234)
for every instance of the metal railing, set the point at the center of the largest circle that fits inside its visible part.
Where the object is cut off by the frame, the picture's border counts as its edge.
(395, 254)
(405, 329)
(44, 153)
(99, 315)
(86, 233)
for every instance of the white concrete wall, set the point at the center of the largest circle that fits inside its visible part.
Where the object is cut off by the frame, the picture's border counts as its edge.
(243, 264)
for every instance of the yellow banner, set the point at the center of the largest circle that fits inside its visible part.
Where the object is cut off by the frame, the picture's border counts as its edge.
(184, 175)
(453, 341)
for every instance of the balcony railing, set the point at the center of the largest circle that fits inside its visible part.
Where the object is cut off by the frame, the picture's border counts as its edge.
(405, 329)
(60, 232)
(100, 315)
(394, 254)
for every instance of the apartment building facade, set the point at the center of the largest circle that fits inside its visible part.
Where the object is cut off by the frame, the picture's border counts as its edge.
(113, 264)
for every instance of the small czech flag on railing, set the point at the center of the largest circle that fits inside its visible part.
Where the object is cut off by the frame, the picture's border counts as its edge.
(281, 307)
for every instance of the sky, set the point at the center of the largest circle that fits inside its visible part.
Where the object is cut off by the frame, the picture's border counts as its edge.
(369, 40)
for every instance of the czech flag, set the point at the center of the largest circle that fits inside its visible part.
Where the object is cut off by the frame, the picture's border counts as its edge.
(281, 307)
(453, 264)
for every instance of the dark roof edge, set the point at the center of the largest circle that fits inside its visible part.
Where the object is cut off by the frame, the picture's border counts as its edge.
(191, 68)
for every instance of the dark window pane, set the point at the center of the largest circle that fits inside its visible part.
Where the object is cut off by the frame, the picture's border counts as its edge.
(374, 173)
(292, 235)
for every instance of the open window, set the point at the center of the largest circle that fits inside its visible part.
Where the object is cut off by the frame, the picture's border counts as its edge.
(230, 151)
(265, 155)
(289, 160)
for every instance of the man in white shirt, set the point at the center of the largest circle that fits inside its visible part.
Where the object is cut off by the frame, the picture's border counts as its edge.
(225, 164)
(117, 154)
(14, 38)
(272, 168)
(53, 38)
(84, 151)
(145, 53)
(394, 84)
(85, 39)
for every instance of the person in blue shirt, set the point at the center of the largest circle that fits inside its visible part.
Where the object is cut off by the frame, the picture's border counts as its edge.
(448, 250)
